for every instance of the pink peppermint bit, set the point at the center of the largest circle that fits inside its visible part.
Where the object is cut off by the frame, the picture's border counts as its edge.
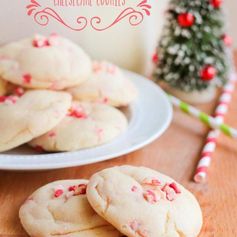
(9, 99)
(40, 42)
(134, 188)
(27, 78)
(136, 226)
(105, 100)
(170, 193)
(150, 196)
(52, 134)
(152, 182)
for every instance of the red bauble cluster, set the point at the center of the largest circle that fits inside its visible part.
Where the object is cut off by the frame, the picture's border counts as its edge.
(227, 40)
(208, 73)
(216, 3)
(186, 19)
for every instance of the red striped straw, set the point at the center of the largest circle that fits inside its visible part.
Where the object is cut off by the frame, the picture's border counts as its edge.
(210, 145)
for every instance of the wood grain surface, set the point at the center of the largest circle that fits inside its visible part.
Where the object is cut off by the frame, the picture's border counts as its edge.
(176, 154)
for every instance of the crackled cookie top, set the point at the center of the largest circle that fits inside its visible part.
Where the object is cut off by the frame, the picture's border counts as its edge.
(142, 202)
(43, 62)
(30, 115)
(108, 85)
(61, 209)
(86, 125)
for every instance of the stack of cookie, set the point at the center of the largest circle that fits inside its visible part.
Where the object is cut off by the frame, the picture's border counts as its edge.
(119, 201)
(53, 97)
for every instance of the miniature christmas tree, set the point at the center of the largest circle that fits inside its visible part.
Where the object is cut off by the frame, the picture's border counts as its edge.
(191, 53)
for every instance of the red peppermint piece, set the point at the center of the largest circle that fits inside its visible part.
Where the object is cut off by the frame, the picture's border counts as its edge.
(82, 188)
(39, 148)
(175, 187)
(27, 78)
(72, 188)
(77, 113)
(19, 91)
(150, 196)
(3, 99)
(58, 193)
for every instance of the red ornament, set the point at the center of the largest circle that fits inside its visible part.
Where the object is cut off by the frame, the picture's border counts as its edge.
(186, 19)
(227, 40)
(155, 58)
(208, 73)
(216, 3)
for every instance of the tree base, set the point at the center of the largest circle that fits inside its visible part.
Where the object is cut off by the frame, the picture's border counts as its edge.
(194, 97)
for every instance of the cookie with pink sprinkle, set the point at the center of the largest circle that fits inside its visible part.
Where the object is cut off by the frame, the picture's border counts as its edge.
(86, 125)
(107, 84)
(61, 209)
(43, 62)
(27, 116)
(141, 202)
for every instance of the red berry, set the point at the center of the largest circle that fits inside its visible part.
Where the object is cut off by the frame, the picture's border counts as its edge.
(155, 58)
(216, 3)
(186, 19)
(227, 40)
(208, 73)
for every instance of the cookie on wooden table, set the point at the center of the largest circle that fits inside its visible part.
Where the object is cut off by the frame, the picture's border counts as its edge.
(61, 209)
(108, 85)
(86, 125)
(141, 202)
(43, 62)
(31, 115)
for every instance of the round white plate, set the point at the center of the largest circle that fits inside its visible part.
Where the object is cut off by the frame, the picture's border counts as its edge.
(149, 116)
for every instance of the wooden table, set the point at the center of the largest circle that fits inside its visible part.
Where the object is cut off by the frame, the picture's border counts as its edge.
(176, 154)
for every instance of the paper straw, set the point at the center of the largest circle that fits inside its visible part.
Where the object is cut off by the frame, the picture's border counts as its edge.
(210, 144)
(203, 117)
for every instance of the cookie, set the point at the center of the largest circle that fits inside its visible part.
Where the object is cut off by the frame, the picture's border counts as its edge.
(86, 125)
(108, 85)
(61, 209)
(142, 202)
(31, 115)
(3, 87)
(44, 63)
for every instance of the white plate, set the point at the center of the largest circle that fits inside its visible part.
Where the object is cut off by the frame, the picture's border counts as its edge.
(149, 116)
